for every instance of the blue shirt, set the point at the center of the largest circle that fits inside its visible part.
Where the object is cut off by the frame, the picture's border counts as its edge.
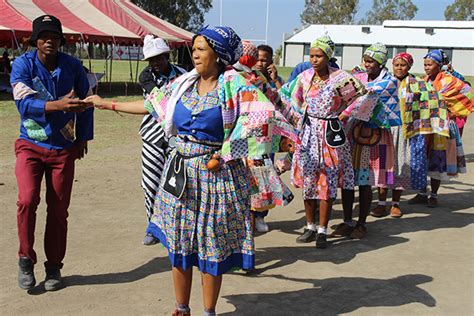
(200, 117)
(33, 86)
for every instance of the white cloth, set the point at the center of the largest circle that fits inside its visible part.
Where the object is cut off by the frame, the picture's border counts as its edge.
(154, 46)
(182, 84)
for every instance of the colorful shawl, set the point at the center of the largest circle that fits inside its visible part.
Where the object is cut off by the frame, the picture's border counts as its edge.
(257, 79)
(458, 95)
(252, 125)
(423, 110)
(387, 112)
(294, 96)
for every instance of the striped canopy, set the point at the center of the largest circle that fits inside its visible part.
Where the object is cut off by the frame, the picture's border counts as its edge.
(97, 21)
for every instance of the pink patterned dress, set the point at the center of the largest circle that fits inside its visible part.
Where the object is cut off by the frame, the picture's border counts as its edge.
(309, 104)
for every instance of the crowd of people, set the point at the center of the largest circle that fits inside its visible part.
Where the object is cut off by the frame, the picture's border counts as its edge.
(209, 170)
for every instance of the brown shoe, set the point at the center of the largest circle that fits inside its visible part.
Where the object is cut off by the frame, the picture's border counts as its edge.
(418, 199)
(378, 211)
(395, 211)
(432, 202)
(359, 232)
(342, 230)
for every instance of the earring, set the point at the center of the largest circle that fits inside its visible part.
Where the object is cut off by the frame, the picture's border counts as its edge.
(218, 60)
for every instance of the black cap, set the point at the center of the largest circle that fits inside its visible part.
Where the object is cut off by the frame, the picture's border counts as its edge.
(46, 23)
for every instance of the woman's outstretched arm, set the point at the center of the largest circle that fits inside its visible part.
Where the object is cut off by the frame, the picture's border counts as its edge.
(131, 107)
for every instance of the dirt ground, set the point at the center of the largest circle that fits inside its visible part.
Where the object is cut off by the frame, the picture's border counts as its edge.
(419, 264)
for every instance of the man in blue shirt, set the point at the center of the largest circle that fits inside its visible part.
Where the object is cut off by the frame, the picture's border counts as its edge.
(55, 128)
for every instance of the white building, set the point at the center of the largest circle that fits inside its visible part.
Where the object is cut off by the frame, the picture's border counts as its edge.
(456, 38)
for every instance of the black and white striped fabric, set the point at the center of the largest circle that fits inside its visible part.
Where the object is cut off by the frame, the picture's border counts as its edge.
(153, 136)
(153, 160)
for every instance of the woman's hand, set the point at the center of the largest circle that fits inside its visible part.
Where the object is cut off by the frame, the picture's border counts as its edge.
(99, 102)
(343, 117)
(282, 165)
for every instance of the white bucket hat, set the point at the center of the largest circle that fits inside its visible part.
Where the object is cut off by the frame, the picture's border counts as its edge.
(154, 46)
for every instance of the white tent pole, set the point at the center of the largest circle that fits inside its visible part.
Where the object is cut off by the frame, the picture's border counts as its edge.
(266, 23)
(190, 54)
(87, 50)
(220, 17)
(138, 62)
(130, 62)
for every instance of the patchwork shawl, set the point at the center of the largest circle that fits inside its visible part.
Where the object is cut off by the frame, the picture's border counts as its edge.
(422, 108)
(252, 125)
(459, 96)
(387, 112)
(345, 89)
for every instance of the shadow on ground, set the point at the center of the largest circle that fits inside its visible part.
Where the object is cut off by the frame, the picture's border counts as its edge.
(381, 233)
(334, 296)
(153, 266)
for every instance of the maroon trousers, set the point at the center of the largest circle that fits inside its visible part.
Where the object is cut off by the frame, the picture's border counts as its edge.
(32, 162)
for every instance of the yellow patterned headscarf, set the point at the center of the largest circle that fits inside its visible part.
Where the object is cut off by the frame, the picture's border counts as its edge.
(325, 44)
(378, 52)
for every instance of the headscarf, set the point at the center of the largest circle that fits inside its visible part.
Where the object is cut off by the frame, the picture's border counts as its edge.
(436, 56)
(404, 56)
(378, 52)
(250, 55)
(224, 41)
(325, 44)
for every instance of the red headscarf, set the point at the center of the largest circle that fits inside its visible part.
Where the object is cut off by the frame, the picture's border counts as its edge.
(406, 57)
(250, 55)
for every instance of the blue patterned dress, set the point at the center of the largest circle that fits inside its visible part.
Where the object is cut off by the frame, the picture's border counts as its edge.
(210, 226)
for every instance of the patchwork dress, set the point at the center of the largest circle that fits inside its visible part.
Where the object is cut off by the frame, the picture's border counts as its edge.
(266, 187)
(423, 112)
(209, 226)
(375, 165)
(309, 103)
(446, 155)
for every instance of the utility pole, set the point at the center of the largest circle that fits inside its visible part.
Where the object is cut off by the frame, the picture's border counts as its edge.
(266, 23)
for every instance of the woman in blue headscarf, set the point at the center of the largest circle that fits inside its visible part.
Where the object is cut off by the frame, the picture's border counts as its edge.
(202, 208)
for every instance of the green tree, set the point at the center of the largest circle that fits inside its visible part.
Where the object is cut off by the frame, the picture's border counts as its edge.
(187, 14)
(329, 11)
(460, 10)
(390, 10)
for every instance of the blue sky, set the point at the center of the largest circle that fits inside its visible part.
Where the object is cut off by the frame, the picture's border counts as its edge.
(247, 17)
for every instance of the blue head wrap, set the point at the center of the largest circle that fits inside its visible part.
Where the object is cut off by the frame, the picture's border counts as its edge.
(436, 55)
(224, 41)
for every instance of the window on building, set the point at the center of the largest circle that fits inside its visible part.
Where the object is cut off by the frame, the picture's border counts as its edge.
(390, 50)
(364, 47)
(449, 53)
(338, 51)
(399, 50)
(306, 50)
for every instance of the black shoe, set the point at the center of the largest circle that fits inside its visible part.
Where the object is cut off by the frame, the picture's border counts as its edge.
(53, 279)
(321, 241)
(26, 275)
(308, 236)
(150, 240)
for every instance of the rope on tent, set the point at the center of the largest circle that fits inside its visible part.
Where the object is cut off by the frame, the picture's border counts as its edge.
(17, 44)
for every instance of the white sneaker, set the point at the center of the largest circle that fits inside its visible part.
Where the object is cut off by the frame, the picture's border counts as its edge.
(260, 225)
